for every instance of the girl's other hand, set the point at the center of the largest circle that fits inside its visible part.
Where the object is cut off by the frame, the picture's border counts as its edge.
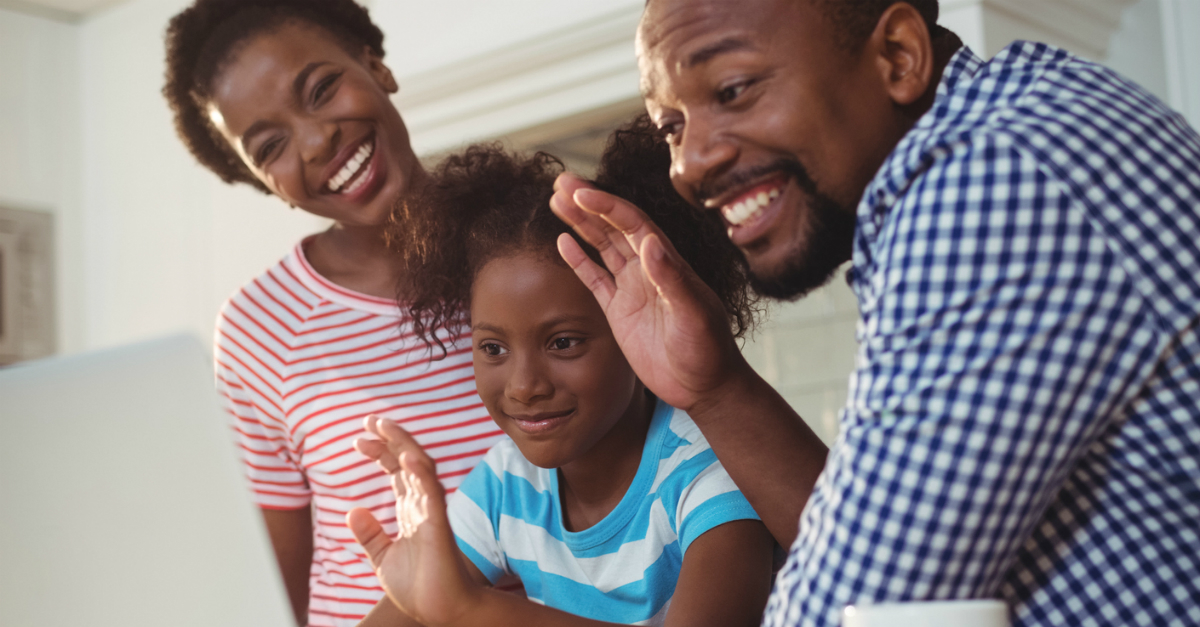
(420, 569)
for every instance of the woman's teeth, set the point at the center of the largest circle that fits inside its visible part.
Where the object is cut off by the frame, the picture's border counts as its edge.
(739, 212)
(352, 168)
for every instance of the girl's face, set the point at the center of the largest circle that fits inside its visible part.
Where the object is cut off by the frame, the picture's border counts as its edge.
(314, 123)
(546, 363)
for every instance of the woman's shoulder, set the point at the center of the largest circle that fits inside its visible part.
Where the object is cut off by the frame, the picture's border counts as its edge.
(289, 290)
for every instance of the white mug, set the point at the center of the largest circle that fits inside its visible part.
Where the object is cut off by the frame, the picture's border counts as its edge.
(973, 613)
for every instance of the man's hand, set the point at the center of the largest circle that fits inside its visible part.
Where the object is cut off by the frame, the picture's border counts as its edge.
(676, 336)
(420, 570)
(671, 326)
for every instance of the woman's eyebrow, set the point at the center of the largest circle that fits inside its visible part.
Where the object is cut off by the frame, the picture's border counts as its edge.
(297, 92)
(302, 78)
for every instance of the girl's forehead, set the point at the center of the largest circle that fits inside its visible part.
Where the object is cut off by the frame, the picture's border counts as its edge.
(528, 288)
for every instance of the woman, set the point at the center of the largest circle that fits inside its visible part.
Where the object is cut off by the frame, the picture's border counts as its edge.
(291, 97)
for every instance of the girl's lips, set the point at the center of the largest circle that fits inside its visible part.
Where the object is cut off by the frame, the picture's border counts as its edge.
(537, 424)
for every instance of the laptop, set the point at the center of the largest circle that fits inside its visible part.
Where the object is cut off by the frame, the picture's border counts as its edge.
(121, 497)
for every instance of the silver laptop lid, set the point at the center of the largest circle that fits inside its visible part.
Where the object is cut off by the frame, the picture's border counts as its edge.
(121, 499)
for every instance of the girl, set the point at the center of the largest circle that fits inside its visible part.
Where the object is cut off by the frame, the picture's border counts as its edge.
(291, 97)
(607, 504)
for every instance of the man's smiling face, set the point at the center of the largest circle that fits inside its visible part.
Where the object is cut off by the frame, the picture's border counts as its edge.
(772, 122)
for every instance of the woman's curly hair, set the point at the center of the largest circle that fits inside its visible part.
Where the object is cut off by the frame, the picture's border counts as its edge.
(203, 37)
(485, 202)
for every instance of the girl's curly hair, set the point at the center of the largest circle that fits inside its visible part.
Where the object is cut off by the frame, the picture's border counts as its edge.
(486, 202)
(203, 37)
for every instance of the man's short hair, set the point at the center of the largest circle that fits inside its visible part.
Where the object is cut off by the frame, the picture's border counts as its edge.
(855, 20)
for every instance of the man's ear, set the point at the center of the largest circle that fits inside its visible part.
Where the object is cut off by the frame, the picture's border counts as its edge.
(379, 70)
(903, 51)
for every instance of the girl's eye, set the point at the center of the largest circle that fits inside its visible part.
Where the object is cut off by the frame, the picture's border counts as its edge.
(565, 343)
(322, 87)
(492, 349)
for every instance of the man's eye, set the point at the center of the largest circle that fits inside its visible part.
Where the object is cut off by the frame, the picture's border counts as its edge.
(669, 130)
(728, 94)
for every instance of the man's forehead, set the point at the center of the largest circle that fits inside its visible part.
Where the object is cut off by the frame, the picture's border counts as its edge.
(675, 35)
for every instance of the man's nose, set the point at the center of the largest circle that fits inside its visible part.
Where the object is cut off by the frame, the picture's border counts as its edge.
(528, 381)
(702, 152)
(318, 141)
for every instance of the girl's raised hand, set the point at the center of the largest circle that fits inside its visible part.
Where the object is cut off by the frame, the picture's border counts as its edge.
(420, 569)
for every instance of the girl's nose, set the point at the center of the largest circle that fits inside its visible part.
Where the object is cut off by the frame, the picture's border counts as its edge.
(528, 381)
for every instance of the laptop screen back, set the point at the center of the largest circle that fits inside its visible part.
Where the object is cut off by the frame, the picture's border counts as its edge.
(121, 499)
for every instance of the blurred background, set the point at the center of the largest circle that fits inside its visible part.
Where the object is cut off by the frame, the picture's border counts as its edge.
(111, 233)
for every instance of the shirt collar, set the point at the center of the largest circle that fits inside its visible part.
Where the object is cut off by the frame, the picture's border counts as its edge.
(910, 156)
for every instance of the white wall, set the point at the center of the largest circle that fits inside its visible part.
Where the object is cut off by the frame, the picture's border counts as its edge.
(1181, 38)
(39, 145)
(423, 35)
(165, 241)
(149, 242)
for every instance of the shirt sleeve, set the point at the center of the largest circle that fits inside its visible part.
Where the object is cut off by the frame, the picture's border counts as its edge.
(706, 498)
(474, 512)
(260, 430)
(998, 339)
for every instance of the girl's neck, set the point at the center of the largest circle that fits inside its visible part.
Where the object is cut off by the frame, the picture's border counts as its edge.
(591, 486)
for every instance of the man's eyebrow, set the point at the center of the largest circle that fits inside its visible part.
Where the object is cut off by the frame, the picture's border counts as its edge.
(707, 53)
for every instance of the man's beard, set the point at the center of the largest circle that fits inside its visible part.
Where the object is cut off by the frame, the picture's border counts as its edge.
(828, 240)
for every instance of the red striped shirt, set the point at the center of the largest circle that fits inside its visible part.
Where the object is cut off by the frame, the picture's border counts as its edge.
(300, 362)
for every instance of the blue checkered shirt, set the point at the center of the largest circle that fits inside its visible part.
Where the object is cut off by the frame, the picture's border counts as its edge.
(1024, 419)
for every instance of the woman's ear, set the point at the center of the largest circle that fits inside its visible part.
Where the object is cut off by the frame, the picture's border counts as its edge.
(380, 71)
(904, 53)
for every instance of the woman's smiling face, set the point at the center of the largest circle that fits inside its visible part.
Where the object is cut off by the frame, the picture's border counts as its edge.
(314, 123)
(546, 363)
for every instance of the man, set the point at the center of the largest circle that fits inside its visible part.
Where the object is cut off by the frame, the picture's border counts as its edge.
(1024, 419)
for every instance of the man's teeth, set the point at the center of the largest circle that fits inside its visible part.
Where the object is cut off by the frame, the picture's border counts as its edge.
(351, 168)
(739, 212)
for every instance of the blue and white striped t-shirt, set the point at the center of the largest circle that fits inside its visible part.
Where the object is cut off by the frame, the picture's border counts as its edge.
(507, 519)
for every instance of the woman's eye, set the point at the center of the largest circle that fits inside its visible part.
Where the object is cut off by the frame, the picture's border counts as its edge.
(322, 87)
(265, 151)
(564, 343)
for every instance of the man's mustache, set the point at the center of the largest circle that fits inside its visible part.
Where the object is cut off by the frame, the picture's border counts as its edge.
(795, 170)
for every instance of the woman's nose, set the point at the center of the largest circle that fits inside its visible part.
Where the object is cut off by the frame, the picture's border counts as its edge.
(318, 141)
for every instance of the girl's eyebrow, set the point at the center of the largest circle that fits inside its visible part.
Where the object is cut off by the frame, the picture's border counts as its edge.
(483, 326)
(565, 318)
